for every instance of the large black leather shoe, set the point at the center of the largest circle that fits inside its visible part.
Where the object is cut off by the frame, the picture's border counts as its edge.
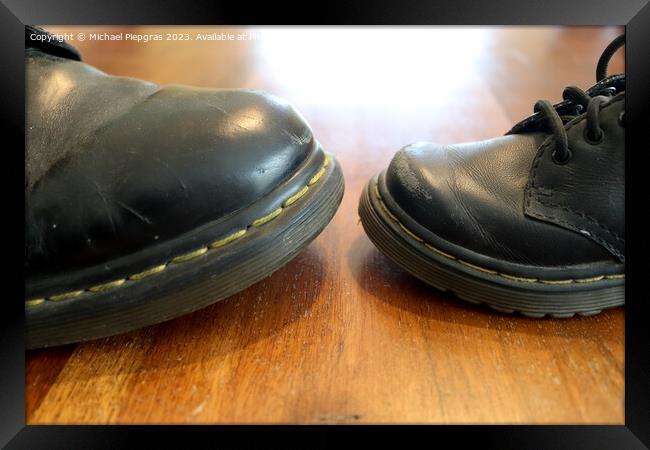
(532, 221)
(143, 203)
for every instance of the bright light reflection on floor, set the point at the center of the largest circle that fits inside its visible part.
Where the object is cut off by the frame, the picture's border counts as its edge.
(370, 66)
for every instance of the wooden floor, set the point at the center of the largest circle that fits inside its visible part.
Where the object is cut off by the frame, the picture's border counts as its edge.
(341, 334)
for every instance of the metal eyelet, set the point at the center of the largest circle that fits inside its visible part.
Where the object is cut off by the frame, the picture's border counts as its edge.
(561, 162)
(592, 141)
(609, 91)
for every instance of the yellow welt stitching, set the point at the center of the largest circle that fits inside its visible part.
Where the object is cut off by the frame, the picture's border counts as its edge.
(440, 252)
(107, 286)
(384, 207)
(267, 218)
(194, 254)
(296, 196)
(590, 280)
(523, 279)
(34, 301)
(465, 263)
(190, 255)
(228, 239)
(316, 177)
(387, 211)
(510, 277)
(148, 272)
(407, 231)
(66, 296)
(568, 281)
(615, 277)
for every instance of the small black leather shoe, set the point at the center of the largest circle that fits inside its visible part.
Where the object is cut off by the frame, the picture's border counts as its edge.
(532, 221)
(144, 202)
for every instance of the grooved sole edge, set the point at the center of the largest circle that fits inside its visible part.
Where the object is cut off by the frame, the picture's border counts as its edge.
(480, 288)
(194, 284)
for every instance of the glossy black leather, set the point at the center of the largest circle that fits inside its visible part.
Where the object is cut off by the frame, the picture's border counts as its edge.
(115, 165)
(489, 197)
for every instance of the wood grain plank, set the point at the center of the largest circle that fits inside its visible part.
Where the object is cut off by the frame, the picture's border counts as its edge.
(42, 368)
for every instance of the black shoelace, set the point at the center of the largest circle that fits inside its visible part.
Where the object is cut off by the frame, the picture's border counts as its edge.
(582, 101)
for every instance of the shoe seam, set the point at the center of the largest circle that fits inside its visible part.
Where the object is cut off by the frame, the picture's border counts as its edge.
(187, 256)
(533, 190)
(510, 277)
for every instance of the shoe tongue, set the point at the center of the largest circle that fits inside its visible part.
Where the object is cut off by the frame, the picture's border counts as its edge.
(538, 121)
(39, 39)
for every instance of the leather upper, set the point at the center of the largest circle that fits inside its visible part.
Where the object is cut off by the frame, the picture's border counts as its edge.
(473, 195)
(115, 165)
(587, 194)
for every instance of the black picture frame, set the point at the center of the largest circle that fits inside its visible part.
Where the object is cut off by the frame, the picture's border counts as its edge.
(634, 14)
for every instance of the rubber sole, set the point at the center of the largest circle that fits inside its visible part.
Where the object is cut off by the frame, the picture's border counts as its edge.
(193, 280)
(501, 292)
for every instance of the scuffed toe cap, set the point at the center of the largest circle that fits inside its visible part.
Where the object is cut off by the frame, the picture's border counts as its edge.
(471, 197)
(417, 179)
